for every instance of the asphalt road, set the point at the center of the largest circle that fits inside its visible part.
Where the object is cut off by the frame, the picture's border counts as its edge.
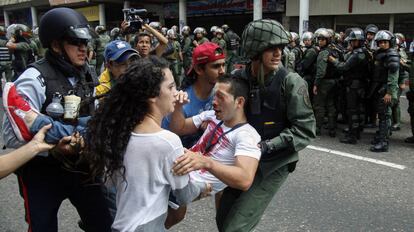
(346, 188)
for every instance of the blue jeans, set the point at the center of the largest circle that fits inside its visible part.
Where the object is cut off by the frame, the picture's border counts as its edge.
(59, 129)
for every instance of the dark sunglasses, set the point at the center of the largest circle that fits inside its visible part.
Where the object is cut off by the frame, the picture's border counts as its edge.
(77, 42)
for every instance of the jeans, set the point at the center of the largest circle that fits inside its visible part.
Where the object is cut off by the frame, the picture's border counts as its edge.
(59, 129)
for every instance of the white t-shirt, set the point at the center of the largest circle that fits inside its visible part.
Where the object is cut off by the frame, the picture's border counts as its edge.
(144, 195)
(239, 142)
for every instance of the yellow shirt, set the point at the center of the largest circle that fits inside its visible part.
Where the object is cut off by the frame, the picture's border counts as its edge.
(104, 83)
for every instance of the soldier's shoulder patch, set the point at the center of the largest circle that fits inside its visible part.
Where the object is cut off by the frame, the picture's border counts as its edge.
(41, 80)
(303, 91)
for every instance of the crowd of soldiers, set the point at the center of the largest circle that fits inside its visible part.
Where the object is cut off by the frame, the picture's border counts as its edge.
(356, 76)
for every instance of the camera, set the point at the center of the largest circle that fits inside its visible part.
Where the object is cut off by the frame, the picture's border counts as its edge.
(134, 18)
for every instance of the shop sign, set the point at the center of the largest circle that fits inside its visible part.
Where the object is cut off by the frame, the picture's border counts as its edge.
(90, 12)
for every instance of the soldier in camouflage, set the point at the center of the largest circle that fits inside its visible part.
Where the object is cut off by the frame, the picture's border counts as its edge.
(325, 85)
(100, 44)
(186, 42)
(402, 77)
(354, 69)
(384, 86)
(22, 48)
(410, 98)
(280, 110)
(307, 66)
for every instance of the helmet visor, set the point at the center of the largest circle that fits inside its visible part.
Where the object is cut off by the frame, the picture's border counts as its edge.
(80, 33)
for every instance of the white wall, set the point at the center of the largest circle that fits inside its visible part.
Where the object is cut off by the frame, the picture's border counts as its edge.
(340, 7)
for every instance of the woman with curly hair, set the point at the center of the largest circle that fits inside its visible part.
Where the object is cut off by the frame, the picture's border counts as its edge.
(125, 142)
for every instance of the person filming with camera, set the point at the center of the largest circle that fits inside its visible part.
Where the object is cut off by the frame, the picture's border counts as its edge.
(144, 33)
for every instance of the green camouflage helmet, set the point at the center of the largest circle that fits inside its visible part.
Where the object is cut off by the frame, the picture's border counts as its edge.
(2, 31)
(262, 34)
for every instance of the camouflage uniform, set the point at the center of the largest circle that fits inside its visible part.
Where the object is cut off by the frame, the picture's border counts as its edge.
(326, 84)
(100, 44)
(402, 77)
(384, 82)
(285, 123)
(410, 98)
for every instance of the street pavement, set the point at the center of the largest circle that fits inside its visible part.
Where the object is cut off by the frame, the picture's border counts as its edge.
(341, 188)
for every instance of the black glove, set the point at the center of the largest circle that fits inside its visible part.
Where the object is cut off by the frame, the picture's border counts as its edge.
(264, 147)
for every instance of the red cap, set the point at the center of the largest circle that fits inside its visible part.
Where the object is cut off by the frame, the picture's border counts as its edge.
(206, 53)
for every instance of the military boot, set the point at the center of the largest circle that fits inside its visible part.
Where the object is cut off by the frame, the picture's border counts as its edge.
(381, 146)
(395, 127)
(348, 139)
(351, 137)
(332, 126)
(318, 131)
(409, 139)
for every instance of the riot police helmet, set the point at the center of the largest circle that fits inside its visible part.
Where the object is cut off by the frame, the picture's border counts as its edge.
(225, 27)
(323, 33)
(371, 28)
(219, 31)
(156, 25)
(175, 28)
(295, 37)
(100, 29)
(356, 33)
(400, 39)
(384, 35)
(171, 34)
(18, 30)
(262, 34)
(63, 22)
(198, 30)
(185, 30)
(164, 31)
(115, 32)
(213, 29)
(2, 31)
(307, 36)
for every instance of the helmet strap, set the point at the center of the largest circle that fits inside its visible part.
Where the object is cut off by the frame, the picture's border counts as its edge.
(261, 73)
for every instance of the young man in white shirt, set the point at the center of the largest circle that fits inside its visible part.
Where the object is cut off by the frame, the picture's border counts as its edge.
(227, 153)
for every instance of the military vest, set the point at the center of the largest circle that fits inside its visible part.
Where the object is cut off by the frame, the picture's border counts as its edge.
(331, 72)
(272, 119)
(56, 82)
(380, 70)
(360, 70)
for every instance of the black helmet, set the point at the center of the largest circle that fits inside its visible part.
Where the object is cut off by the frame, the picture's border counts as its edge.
(372, 28)
(385, 35)
(63, 22)
(356, 33)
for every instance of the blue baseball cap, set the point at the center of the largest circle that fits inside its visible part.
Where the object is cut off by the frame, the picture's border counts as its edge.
(119, 51)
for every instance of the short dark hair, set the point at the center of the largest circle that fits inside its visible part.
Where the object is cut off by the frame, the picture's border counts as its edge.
(239, 87)
(142, 34)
